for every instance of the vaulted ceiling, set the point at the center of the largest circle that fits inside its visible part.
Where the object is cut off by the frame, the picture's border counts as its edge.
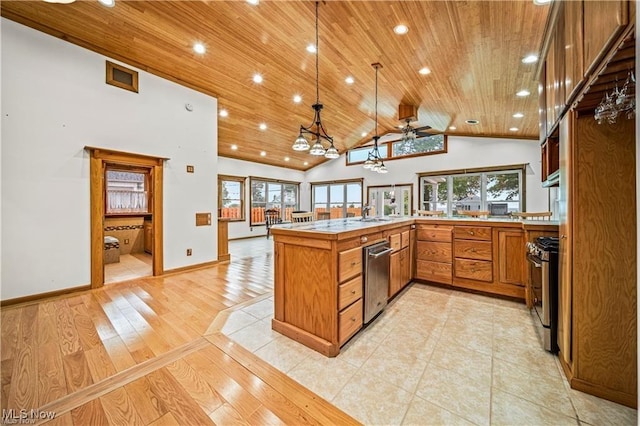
(474, 50)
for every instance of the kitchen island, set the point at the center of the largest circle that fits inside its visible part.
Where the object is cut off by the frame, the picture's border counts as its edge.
(318, 289)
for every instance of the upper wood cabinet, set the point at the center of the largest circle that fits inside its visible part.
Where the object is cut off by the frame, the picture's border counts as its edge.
(573, 44)
(603, 21)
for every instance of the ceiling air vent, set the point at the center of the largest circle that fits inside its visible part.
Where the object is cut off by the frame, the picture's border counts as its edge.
(122, 77)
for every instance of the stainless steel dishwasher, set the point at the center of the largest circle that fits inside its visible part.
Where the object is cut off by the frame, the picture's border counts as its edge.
(376, 279)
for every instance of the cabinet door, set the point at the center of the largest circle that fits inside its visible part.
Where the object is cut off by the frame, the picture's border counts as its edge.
(573, 47)
(603, 23)
(405, 267)
(511, 256)
(395, 276)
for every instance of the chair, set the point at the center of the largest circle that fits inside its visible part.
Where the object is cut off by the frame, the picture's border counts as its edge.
(429, 213)
(351, 214)
(532, 216)
(302, 217)
(324, 215)
(271, 217)
(474, 213)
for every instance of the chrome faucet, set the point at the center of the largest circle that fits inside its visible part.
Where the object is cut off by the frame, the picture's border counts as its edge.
(365, 210)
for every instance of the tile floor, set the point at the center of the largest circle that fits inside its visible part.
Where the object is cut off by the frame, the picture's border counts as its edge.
(130, 266)
(434, 356)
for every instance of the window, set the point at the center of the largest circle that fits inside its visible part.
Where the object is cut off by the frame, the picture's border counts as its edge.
(231, 198)
(434, 144)
(394, 200)
(339, 198)
(498, 190)
(273, 194)
(127, 191)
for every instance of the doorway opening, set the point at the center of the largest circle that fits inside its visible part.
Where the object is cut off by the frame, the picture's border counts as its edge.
(126, 216)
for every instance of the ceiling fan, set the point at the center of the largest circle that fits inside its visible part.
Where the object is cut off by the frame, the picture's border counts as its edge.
(409, 113)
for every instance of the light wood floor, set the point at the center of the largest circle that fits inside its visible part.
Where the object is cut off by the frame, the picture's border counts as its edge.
(149, 351)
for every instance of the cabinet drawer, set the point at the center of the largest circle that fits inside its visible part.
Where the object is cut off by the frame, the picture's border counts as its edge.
(470, 249)
(434, 251)
(434, 233)
(472, 232)
(433, 271)
(349, 292)
(394, 241)
(404, 238)
(480, 270)
(350, 321)
(349, 263)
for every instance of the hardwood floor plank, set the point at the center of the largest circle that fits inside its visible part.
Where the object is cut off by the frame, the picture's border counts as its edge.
(61, 420)
(6, 368)
(176, 399)
(23, 392)
(92, 413)
(67, 333)
(166, 420)
(180, 325)
(76, 371)
(47, 329)
(10, 327)
(118, 353)
(99, 318)
(87, 332)
(149, 405)
(197, 388)
(155, 305)
(227, 415)
(99, 363)
(119, 409)
(52, 383)
(239, 398)
(263, 416)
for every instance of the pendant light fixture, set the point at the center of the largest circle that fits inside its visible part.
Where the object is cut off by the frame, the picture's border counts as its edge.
(374, 160)
(316, 128)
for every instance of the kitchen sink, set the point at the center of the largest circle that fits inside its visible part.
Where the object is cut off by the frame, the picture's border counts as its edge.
(375, 219)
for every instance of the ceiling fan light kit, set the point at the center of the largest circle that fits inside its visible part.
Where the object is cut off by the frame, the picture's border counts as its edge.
(374, 160)
(316, 128)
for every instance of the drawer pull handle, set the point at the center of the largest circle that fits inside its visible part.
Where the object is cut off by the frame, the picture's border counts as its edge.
(471, 233)
(473, 269)
(353, 319)
(353, 292)
(354, 263)
(473, 250)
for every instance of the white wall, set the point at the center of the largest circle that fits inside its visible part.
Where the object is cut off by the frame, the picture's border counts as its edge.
(463, 152)
(233, 167)
(54, 103)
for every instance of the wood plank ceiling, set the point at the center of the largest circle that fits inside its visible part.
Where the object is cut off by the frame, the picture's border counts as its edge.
(473, 49)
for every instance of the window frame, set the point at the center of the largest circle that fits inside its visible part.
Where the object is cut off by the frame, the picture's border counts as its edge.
(344, 183)
(241, 180)
(146, 171)
(268, 181)
(479, 171)
(394, 187)
(390, 154)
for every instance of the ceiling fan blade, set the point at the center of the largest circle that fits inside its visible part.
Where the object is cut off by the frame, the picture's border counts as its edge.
(419, 129)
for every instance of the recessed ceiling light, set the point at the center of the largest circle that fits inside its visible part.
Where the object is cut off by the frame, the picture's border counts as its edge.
(523, 93)
(349, 80)
(297, 99)
(108, 3)
(518, 115)
(472, 121)
(199, 48)
(263, 154)
(224, 113)
(424, 71)
(263, 126)
(286, 158)
(401, 29)
(530, 59)
(257, 78)
(253, 2)
(452, 127)
(363, 134)
(311, 48)
(513, 129)
(234, 147)
(306, 163)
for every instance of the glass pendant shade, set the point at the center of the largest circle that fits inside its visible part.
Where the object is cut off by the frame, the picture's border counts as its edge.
(317, 149)
(368, 164)
(382, 169)
(301, 144)
(332, 152)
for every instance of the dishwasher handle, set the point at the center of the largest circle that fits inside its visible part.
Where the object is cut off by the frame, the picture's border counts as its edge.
(380, 253)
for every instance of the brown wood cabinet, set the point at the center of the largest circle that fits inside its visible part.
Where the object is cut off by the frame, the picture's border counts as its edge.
(399, 261)
(511, 264)
(603, 21)
(434, 253)
(148, 237)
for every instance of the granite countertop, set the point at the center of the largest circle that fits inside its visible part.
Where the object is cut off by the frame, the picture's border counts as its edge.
(335, 226)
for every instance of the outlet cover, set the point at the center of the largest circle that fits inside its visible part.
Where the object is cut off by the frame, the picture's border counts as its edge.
(126, 241)
(189, 252)
(190, 169)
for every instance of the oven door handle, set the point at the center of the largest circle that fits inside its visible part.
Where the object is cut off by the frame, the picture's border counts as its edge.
(534, 260)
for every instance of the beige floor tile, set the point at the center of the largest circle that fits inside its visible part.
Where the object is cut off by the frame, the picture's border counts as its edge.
(422, 412)
(372, 400)
(456, 393)
(507, 409)
(478, 337)
(238, 320)
(256, 335)
(529, 356)
(358, 350)
(597, 411)
(284, 353)
(541, 389)
(322, 375)
(467, 362)
(261, 309)
(396, 365)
